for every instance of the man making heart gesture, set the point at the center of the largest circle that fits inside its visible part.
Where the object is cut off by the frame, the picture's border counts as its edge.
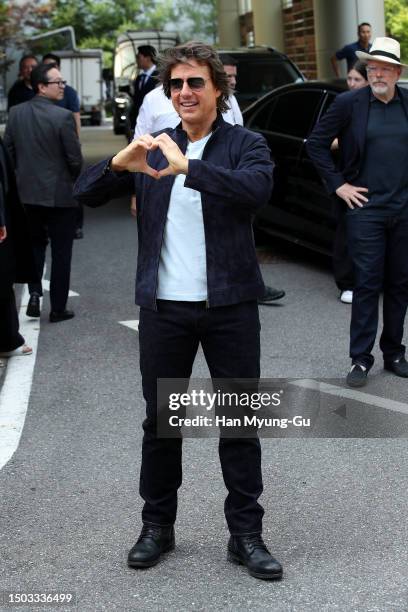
(198, 281)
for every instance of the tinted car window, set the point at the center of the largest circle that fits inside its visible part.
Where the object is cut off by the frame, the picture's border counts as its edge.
(291, 113)
(328, 101)
(255, 78)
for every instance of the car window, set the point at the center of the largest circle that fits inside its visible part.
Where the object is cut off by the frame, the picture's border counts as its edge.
(255, 78)
(328, 101)
(291, 113)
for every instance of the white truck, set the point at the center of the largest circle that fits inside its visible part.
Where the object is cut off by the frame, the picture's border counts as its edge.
(125, 70)
(82, 69)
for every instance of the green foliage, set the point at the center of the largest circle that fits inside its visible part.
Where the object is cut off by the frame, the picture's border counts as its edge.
(200, 19)
(396, 22)
(97, 23)
(17, 19)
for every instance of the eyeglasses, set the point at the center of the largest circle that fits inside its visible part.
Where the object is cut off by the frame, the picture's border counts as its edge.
(59, 83)
(194, 83)
(385, 69)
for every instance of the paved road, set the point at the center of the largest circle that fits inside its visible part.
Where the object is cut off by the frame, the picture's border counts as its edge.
(335, 508)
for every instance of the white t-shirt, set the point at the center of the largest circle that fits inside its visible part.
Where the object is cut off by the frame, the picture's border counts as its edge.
(183, 265)
(157, 112)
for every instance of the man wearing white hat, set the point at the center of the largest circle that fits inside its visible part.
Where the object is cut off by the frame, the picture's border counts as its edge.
(372, 179)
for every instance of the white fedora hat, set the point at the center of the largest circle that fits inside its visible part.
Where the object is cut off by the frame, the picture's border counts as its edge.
(383, 50)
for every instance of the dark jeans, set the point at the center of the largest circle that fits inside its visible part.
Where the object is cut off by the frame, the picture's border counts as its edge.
(169, 339)
(57, 224)
(343, 269)
(80, 217)
(10, 338)
(379, 248)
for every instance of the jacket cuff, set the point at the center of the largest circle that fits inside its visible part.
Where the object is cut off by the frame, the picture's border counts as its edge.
(337, 181)
(107, 168)
(193, 172)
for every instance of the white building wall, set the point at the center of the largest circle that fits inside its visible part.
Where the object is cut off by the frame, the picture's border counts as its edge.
(336, 24)
(228, 23)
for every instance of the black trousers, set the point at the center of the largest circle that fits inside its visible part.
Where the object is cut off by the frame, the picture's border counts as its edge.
(343, 268)
(10, 338)
(57, 225)
(169, 340)
(379, 248)
(80, 217)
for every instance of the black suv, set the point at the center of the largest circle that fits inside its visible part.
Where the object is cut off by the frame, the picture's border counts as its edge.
(259, 70)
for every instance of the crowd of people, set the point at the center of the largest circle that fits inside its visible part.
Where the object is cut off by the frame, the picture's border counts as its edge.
(193, 170)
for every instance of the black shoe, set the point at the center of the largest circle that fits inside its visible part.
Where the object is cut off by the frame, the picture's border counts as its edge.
(152, 542)
(79, 234)
(251, 551)
(63, 315)
(33, 306)
(357, 377)
(271, 295)
(398, 367)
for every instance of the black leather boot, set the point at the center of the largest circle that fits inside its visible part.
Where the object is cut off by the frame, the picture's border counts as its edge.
(33, 306)
(152, 542)
(251, 551)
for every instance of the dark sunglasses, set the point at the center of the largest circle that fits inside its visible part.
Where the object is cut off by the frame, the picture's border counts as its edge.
(194, 83)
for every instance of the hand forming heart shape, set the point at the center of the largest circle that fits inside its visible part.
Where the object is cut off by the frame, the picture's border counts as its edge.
(133, 157)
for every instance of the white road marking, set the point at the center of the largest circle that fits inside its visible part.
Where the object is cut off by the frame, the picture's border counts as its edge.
(15, 393)
(46, 287)
(131, 324)
(359, 396)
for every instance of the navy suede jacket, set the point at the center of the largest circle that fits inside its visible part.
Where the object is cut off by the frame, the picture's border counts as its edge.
(234, 178)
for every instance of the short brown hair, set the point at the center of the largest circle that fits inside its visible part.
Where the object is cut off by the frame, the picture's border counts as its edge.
(204, 55)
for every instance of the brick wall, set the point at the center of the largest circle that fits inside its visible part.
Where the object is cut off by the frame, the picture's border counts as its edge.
(299, 36)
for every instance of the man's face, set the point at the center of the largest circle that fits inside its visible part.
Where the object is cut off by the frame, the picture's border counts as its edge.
(52, 90)
(142, 61)
(231, 72)
(364, 35)
(49, 60)
(195, 105)
(382, 77)
(27, 67)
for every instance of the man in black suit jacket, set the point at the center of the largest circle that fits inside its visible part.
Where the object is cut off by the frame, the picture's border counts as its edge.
(42, 140)
(372, 179)
(146, 79)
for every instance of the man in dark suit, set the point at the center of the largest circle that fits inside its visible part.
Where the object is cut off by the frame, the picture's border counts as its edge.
(146, 79)
(42, 140)
(372, 179)
(22, 91)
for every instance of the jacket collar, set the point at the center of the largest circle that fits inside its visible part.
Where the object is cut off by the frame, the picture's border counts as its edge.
(181, 135)
(42, 100)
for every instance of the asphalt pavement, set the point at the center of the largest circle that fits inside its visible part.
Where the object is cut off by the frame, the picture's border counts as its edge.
(335, 507)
